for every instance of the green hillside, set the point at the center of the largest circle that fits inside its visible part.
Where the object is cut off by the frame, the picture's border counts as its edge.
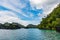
(52, 20)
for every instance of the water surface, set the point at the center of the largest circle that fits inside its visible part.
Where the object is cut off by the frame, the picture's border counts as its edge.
(29, 34)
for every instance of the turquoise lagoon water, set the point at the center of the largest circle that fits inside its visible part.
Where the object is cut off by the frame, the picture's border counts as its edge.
(29, 34)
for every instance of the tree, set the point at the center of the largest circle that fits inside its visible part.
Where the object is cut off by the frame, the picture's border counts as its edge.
(52, 20)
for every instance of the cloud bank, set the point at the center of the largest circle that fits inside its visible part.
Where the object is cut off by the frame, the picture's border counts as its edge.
(25, 11)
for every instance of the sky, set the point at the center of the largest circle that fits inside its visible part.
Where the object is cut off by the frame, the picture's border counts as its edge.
(25, 11)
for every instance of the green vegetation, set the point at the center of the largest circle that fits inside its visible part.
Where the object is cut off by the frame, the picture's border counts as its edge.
(10, 26)
(52, 20)
(15, 26)
(31, 26)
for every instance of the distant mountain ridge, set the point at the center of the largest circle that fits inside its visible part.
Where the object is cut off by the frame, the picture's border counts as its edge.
(31, 26)
(14, 25)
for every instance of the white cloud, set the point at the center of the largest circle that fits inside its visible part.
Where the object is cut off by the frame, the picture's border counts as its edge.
(7, 16)
(16, 6)
(10, 16)
(46, 5)
(36, 2)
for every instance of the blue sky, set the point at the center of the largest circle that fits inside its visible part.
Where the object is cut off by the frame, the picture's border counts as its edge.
(25, 11)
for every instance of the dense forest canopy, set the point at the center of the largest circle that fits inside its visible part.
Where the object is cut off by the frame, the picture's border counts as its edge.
(14, 25)
(52, 20)
(31, 26)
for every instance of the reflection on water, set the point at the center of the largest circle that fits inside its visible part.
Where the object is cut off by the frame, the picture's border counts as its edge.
(29, 34)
